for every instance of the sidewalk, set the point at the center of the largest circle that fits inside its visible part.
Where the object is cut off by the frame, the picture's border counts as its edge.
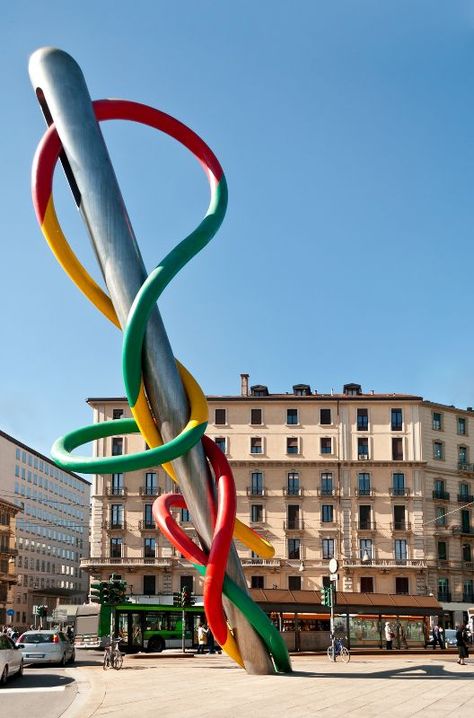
(212, 686)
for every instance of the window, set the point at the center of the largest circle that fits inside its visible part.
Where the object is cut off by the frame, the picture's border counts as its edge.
(117, 446)
(401, 550)
(256, 483)
(293, 516)
(365, 550)
(467, 591)
(362, 420)
(440, 514)
(115, 548)
(221, 443)
(187, 581)
(439, 490)
(461, 426)
(149, 546)
(363, 448)
(148, 517)
(401, 585)
(117, 485)
(185, 516)
(257, 582)
(466, 521)
(364, 517)
(463, 456)
(149, 585)
(437, 421)
(397, 449)
(256, 417)
(256, 513)
(398, 484)
(328, 548)
(151, 488)
(294, 583)
(464, 492)
(256, 445)
(399, 522)
(293, 483)
(294, 547)
(443, 589)
(366, 584)
(326, 484)
(363, 484)
(438, 450)
(327, 513)
(397, 419)
(325, 416)
(116, 515)
(117, 413)
(442, 551)
(325, 445)
(292, 445)
(466, 552)
(292, 416)
(220, 417)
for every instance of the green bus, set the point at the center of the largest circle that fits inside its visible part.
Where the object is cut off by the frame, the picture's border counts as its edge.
(141, 627)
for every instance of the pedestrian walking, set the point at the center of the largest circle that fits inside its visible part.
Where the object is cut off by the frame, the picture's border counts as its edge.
(461, 643)
(389, 636)
(213, 646)
(202, 637)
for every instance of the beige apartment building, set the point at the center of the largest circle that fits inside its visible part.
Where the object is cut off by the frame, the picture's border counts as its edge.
(8, 552)
(52, 529)
(382, 482)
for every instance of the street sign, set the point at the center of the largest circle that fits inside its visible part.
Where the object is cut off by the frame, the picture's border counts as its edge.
(333, 565)
(333, 576)
(10, 611)
(35, 610)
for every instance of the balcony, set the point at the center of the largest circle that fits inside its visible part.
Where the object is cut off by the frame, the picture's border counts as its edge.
(263, 562)
(293, 491)
(465, 498)
(468, 597)
(365, 492)
(326, 492)
(465, 468)
(404, 526)
(293, 525)
(112, 491)
(119, 525)
(444, 596)
(149, 492)
(463, 530)
(399, 491)
(441, 495)
(134, 561)
(441, 528)
(144, 525)
(256, 491)
(384, 563)
(366, 526)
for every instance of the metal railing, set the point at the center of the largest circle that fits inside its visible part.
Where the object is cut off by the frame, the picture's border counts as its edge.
(463, 530)
(400, 526)
(366, 526)
(119, 525)
(149, 491)
(116, 491)
(365, 492)
(292, 491)
(441, 495)
(293, 525)
(465, 498)
(144, 525)
(256, 491)
(271, 563)
(399, 491)
(125, 561)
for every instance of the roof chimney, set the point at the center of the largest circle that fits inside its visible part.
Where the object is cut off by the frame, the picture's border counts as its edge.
(244, 384)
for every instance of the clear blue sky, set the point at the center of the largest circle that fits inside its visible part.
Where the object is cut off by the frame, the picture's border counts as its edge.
(347, 136)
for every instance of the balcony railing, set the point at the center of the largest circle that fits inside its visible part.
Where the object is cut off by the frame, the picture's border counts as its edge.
(385, 562)
(118, 525)
(326, 492)
(463, 530)
(400, 526)
(444, 596)
(144, 525)
(293, 491)
(468, 597)
(399, 491)
(149, 491)
(125, 561)
(468, 468)
(366, 526)
(116, 491)
(441, 495)
(293, 525)
(256, 491)
(365, 492)
(465, 498)
(269, 563)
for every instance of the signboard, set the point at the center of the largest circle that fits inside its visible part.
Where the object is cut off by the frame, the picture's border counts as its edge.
(10, 611)
(35, 610)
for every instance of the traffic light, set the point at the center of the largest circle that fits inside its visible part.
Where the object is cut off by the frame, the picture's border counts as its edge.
(42, 611)
(177, 600)
(326, 596)
(187, 597)
(117, 590)
(96, 593)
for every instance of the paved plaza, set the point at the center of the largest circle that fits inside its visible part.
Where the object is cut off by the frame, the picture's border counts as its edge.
(383, 685)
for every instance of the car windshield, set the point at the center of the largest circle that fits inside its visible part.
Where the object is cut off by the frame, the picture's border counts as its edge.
(36, 638)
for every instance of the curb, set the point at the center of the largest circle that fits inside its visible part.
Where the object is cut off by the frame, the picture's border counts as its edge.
(89, 696)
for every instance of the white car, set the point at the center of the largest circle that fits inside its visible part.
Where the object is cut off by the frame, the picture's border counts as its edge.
(11, 659)
(46, 647)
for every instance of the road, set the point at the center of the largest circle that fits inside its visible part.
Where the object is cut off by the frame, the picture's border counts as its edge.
(44, 691)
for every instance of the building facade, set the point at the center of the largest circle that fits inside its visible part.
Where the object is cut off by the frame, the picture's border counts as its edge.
(52, 529)
(8, 577)
(382, 482)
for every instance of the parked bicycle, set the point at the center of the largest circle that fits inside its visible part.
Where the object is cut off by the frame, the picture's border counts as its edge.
(113, 658)
(339, 650)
